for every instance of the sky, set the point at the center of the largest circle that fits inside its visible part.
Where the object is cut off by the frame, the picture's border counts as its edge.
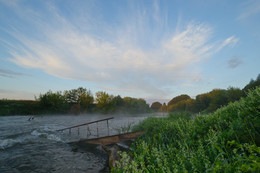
(148, 49)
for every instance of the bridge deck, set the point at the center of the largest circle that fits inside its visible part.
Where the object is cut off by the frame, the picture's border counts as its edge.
(112, 139)
(103, 140)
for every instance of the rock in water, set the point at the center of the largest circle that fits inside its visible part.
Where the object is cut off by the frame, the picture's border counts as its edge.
(113, 155)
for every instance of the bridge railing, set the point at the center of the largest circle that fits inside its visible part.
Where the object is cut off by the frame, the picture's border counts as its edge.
(86, 124)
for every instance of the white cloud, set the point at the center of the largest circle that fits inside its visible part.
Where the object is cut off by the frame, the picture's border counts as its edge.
(231, 41)
(250, 8)
(67, 52)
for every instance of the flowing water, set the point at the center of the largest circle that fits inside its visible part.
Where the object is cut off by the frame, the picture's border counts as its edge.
(36, 145)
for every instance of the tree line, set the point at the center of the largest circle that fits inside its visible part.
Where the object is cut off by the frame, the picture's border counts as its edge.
(206, 102)
(81, 100)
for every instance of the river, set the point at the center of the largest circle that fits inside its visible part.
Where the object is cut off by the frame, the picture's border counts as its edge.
(36, 146)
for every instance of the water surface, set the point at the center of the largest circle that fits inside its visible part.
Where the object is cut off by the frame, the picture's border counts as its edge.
(37, 146)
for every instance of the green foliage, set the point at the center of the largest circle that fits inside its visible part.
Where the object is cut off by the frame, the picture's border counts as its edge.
(206, 102)
(234, 94)
(252, 84)
(19, 107)
(124, 129)
(74, 101)
(178, 99)
(218, 98)
(227, 140)
(156, 106)
(108, 104)
(134, 105)
(54, 102)
(164, 108)
(81, 100)
(104, 101)
(211, 101)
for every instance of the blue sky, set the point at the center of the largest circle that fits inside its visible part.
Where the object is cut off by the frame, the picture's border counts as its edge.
(139, 48)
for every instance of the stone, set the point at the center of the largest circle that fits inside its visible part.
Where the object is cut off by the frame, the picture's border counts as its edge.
(113, 155)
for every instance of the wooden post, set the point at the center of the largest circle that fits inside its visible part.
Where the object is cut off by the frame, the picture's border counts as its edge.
(107, 128)
(87, 130)
(97, 130)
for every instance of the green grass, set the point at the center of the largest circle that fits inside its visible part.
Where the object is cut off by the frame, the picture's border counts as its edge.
(19, 107)
(225, 141)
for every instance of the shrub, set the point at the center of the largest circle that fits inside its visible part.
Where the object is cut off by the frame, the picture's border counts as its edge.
(224, 141)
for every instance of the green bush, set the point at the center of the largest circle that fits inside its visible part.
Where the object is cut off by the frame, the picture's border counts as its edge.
(224, 141)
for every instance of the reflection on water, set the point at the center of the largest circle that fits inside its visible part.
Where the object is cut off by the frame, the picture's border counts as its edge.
(37, 146)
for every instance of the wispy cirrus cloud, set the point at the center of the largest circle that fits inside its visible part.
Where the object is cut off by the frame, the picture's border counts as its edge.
(250, 8)
(10, 73)
(118, 59)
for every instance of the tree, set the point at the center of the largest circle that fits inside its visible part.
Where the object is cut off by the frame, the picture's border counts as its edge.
(134, 105)
(191, 105)
(234, 94)
(178, 99)
(104, 101)
(73, 96)
(202, 101)
(55, 102)
(252, 84)
(86, 100)
(163, 108)
(82, 97)
(156, 106)
(118, 101)
(218, 98)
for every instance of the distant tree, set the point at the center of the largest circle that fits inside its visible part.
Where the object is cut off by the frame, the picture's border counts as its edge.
(104, 101)
(252, 84)
(178, 99)
(134, 105)
(156, 106)
(163, 108)
(54, 102)
(191, 105)
(178, 103)
(141, 106)
(74, 95)
(234, 94)
(86, 100)
(118, 101)
(81, 97)
(218, 98)
(202, 101)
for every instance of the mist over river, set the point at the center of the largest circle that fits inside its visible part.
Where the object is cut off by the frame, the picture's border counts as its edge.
(36, 145)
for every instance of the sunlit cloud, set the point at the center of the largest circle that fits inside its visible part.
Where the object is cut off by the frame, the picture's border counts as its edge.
(118, 61)
(231, 41)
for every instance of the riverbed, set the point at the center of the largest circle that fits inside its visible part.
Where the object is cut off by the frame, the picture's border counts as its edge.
(32, 144)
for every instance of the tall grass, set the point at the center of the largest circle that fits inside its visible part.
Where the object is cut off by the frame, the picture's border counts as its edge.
(225, 141)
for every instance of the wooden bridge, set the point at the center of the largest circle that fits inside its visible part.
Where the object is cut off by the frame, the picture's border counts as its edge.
(105, 140)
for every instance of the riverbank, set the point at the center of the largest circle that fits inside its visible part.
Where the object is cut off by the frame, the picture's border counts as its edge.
(227, 140)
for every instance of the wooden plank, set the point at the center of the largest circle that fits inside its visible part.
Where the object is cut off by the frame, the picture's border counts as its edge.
(112, 139)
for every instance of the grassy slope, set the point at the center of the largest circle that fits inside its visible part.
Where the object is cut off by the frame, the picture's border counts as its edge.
(18, 107)
(224, 141)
